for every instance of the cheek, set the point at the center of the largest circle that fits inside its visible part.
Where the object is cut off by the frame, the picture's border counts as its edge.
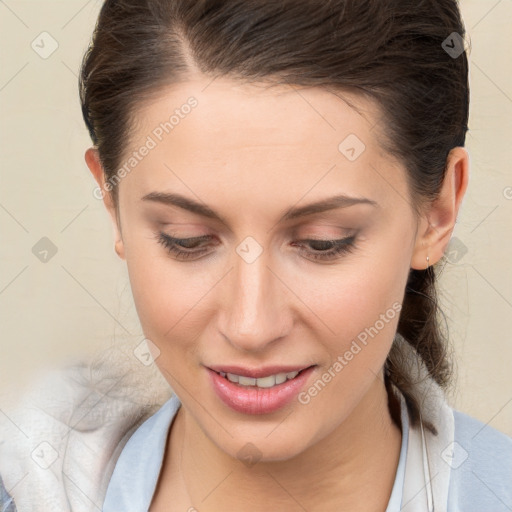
(167, 299)
(356, 296)
(358, 308)
(361, 309)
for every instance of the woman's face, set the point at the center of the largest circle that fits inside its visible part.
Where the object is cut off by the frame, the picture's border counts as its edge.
(255, 293)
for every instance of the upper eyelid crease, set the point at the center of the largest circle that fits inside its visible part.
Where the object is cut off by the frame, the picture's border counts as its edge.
(331, 203)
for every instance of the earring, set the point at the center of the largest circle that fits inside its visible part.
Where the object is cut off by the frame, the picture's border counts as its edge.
(428, 260)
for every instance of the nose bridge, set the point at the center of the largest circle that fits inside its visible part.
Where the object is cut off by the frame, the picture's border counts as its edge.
(255, 307)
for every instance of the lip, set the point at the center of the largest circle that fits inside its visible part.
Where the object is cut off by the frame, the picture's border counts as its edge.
(252, 400)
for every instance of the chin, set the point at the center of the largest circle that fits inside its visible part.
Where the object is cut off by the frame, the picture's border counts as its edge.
(261, 449)
(272, 442)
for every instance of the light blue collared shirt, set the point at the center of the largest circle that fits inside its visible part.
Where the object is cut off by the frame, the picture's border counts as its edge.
(480, 476)
(135, 475)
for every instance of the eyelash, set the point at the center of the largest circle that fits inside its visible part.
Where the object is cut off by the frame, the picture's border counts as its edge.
(341, 246)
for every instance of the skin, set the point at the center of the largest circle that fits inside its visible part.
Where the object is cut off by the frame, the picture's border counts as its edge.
(250, 153)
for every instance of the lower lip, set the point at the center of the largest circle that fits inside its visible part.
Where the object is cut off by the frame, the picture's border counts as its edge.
(251, 400)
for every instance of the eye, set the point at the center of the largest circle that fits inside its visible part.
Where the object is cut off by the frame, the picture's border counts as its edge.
(186, 248)
(327, 249)
(183, 248)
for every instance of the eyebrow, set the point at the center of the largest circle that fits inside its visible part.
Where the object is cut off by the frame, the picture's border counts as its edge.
(330, 203)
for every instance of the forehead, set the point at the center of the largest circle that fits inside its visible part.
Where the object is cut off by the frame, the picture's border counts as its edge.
(269, 114)
(277, 142)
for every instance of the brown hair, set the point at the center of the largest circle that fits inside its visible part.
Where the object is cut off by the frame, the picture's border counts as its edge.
(390, 50)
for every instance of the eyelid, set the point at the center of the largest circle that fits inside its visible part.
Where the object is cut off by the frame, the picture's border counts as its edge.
(340, 247)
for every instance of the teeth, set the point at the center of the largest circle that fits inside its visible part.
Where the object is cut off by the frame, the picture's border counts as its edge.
(266, 382)
(246, 381)
(280, 378)
(263, 382)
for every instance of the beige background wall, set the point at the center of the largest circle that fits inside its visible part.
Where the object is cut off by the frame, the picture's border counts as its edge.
(79, 301)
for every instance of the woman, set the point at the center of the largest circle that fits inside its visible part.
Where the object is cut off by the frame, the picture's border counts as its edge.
(283, 179)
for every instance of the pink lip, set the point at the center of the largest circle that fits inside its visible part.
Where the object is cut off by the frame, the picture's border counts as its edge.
(252, 400)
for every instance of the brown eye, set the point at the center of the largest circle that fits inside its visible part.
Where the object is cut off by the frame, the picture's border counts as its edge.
(183, 248)
(327, 249)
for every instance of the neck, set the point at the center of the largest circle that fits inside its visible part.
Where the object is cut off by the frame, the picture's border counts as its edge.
(334, 474)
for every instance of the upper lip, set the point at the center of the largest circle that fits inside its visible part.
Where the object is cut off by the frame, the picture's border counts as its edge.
(257, 373)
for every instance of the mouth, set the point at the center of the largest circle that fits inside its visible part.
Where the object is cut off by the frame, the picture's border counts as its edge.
(269, 381)
(263, 394)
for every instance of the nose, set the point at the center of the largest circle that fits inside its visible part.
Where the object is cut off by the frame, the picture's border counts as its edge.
(255, 313)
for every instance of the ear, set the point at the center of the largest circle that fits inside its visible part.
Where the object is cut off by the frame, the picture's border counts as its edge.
(436, 226)
(92, 159)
